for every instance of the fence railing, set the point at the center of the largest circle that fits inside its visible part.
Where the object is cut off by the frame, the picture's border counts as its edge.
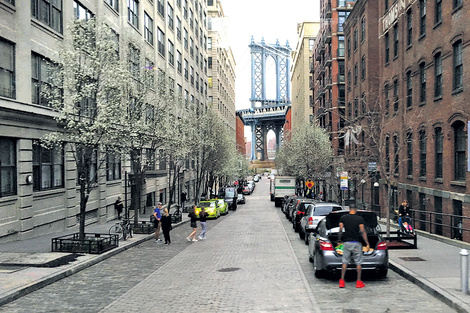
(449, 225)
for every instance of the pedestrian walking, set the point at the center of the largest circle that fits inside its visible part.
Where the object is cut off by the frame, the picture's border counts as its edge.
(354, 228)
(203, 219)
(166, 226)
(118, 206)
(193, 216)
(157, 213)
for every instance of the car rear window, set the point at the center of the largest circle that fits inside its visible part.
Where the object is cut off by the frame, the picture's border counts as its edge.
(229, 193)
(324, 210)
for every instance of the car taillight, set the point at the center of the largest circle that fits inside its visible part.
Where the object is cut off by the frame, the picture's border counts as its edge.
(326, 246)
(310, 220)
(382, 246)
(300, 212)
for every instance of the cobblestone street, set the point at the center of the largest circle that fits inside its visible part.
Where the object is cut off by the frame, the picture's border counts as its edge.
(252, 261)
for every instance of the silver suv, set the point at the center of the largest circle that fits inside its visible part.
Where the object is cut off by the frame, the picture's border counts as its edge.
(314, 214)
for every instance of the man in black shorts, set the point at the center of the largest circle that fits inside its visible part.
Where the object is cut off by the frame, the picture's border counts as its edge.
(353, 226)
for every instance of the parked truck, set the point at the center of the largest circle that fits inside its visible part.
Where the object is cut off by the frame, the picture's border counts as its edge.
(283, 186)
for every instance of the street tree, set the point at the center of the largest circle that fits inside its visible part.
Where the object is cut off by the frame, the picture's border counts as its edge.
(307, 153)
(88, 104)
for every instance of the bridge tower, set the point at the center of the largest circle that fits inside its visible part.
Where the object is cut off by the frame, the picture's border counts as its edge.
(267, 114)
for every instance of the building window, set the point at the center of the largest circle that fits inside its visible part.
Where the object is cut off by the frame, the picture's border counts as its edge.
(191, 23)
(387, 154)
(209, 59)
(409, 154)
(311, 44)
(387, 101)
(396, 155)
(48, 168)
(7, 167)
(363, 67)
(438, 11)
(48, 12)
(170, 16)
(148, 28)
(422, 18)
(439, 140)
(458, 66)
(460, 144)
(349, 80)
(41, 80)
(355, 74)
(161, 41)
(7, 69)
(185, 9)
(179, 65)
(171, 53)
(133, 12)
(150, 159)
(409, 90)
(355, 39)
(191, 47)
(386, 5)
(186, 75)
(437, 76)
(395, 41)
(134, 60)
(191, 75)
(456, 4)
(363, 29)
(161, 8)
(113, 165)
(185, 39)
(349, 46)
(80, 12)
(409, 24)
(422, 83)
(387, 48)
(209, 43)
(422, 153)
(395, 97)
(114, 4)
(178, 28)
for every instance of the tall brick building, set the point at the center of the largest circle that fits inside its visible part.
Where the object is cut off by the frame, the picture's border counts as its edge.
(422, 109)
(328, 83)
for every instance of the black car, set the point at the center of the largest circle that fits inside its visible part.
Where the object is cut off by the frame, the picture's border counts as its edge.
(230, 195)
(299, 211)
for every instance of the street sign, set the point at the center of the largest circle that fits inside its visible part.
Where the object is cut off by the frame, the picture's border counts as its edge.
(344, 180)
(309, 184)
(235, 182)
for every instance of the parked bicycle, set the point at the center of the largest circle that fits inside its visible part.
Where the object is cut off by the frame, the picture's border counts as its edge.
(122, 228)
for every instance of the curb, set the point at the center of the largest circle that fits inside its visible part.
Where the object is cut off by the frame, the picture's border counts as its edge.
(430, 288)
(52, 278)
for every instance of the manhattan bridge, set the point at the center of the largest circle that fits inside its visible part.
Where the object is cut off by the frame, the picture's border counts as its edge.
(267, 114)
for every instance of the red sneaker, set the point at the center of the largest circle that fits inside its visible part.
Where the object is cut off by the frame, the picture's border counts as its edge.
(341, 283)
(360, 284)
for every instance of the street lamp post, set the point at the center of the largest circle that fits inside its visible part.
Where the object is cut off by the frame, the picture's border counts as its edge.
(362, 192)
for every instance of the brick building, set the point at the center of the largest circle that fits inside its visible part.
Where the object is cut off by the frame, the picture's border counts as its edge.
(362, 89)
(328, 83)
(422, 110)
(240, 134)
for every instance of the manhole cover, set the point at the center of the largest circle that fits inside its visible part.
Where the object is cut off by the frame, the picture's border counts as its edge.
(229, 269)
(411, 258)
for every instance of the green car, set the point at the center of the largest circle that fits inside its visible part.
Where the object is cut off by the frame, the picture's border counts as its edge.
(223, 206)
(210, 207)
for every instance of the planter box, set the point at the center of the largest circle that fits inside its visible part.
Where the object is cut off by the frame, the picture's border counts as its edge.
(143, 228)
(92, 243)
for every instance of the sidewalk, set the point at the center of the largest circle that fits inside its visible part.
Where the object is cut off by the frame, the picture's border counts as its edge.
(435, 267)
(17, 281)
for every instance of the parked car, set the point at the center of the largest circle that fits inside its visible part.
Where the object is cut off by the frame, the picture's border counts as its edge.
(288, 199)
(241, 199)
(322, 243)
(211, 208)
(222, 205)
(299, 211)
(230, 195)
(289, 203)
(252, 184)
(247, 190)
(315, 213)
(256, 178)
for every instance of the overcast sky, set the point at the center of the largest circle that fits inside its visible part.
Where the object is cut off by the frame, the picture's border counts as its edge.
(271, 19)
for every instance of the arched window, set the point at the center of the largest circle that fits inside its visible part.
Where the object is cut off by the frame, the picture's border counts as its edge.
(438, 151)
(460, 140)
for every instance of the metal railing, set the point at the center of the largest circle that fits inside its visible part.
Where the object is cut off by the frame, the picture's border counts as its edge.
(440, 223)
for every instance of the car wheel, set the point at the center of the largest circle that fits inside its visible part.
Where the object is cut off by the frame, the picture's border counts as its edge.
(318, 273)
(310, 259)
(306, 239)
(301, 234)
